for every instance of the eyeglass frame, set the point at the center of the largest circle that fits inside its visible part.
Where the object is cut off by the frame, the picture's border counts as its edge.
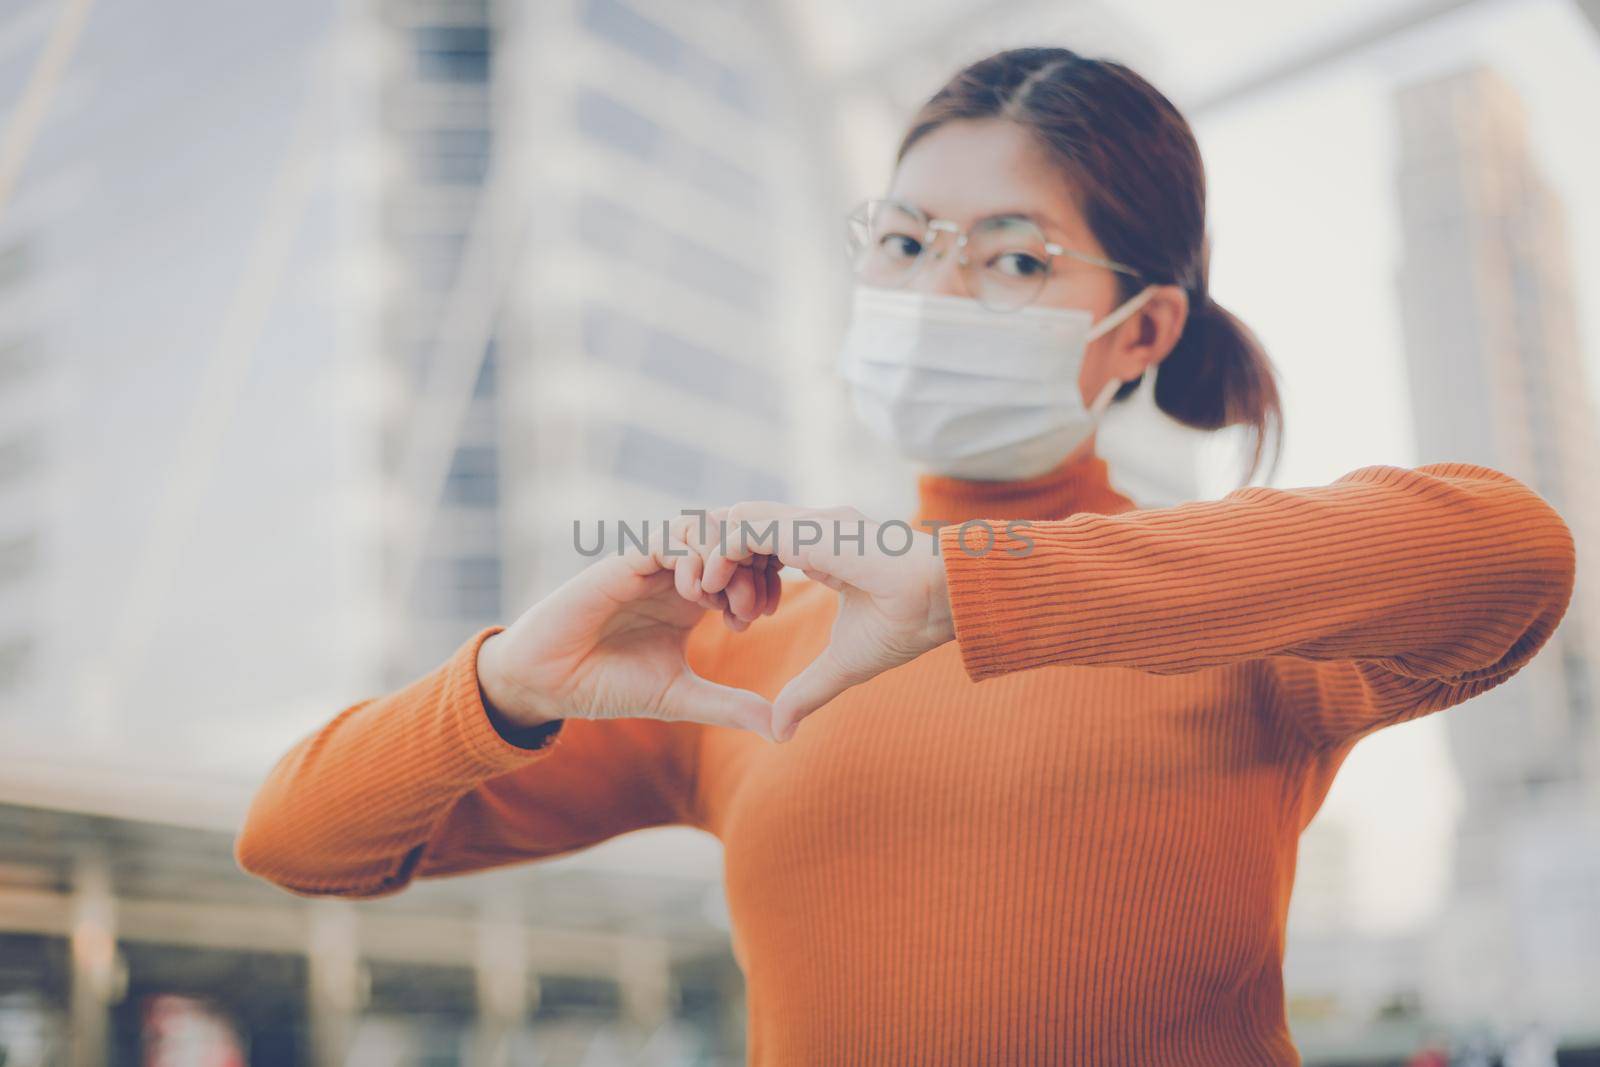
(933, 224)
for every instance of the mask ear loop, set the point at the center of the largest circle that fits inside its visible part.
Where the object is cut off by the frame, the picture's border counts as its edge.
(1120, 315)
(1116, 318)
(1103, 401)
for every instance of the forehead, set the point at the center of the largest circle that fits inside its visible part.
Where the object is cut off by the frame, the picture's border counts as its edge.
(969, 169)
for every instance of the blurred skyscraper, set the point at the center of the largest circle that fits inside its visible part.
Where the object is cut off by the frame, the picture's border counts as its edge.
(1497, 379)
(441, 460)
(662, 296)
(456, 277)
(592, 216)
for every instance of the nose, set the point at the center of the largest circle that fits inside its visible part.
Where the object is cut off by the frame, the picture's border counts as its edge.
(940, 272)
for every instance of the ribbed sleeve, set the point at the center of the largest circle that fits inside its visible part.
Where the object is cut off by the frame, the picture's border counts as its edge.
(1428, 585)
(344, 811)
(419, 783)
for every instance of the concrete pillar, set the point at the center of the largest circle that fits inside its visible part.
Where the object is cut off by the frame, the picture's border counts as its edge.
(502, 977)
(98, 978)
(644, 973)
(338, 985)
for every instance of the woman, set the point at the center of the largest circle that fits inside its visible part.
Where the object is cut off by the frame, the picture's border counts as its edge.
(1064, 829)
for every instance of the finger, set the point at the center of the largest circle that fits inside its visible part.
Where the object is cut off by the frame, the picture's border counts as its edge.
(828, 540)
(741, 592)
(686, 570)
(748, 593)
(822, 679)
(689, 535)
(664, 548)
(760, 568)
(774, 589)
(695, 699)
(633, 574)
(733, 622)
(589, 598)
(752, 528)
(758, 586)
(700, 531)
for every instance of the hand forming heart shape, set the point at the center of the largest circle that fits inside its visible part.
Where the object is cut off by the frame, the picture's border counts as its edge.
(610, 641)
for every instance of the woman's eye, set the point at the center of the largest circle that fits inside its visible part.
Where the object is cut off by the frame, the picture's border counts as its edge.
(1019, 265)
(900, 246)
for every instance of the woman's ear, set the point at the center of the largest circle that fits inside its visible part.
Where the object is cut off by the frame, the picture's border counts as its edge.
(1149, 334)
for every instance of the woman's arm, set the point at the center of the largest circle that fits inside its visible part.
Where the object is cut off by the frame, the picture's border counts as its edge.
(423, 782)
(420, 782)
(1387, 594)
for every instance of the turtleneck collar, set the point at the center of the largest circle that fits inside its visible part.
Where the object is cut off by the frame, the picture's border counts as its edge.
(1077, 484)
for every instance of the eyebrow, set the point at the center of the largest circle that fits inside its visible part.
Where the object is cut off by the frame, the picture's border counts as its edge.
(1044, 221)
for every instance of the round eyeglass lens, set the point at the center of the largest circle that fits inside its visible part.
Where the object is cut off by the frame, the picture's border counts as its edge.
(885, 241)
(1007, 262)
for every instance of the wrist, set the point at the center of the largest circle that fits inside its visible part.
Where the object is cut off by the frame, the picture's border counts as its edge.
(508, 703)
(941, 617)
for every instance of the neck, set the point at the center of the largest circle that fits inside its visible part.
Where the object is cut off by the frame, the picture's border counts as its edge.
(1078, 483)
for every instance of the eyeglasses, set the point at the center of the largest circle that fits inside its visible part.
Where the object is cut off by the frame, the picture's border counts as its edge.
(1005, 260)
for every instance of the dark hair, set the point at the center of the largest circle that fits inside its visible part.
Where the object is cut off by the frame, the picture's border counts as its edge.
(1135, 168)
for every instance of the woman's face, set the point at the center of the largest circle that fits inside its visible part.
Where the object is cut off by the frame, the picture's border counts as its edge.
(969, 169)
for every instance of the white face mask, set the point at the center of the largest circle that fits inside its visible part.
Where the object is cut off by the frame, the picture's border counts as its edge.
(969, 392)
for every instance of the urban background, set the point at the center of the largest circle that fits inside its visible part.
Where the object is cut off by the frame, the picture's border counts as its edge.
(321, 323)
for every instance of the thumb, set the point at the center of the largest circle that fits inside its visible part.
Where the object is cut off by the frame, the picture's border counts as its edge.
(695, 699)
(822, 679)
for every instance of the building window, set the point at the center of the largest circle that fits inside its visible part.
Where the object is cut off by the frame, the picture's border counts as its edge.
(608, 121)
(452, 53)
(451, 156)
(685, 470)
(474, 479)
(649, 40)
(462, 587)
(488, 372)
(434, 258)
(477, 582)
(615, 231)
(620, 340)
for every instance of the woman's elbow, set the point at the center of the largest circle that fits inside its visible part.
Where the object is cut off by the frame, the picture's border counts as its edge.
(1542, 573)
(261, 851)
(1550, 556)
(263, 847)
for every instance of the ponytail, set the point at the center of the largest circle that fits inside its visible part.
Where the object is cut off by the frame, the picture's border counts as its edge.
(1219, 375)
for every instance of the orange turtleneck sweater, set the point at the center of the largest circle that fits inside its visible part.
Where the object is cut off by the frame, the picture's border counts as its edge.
(1067, 837)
